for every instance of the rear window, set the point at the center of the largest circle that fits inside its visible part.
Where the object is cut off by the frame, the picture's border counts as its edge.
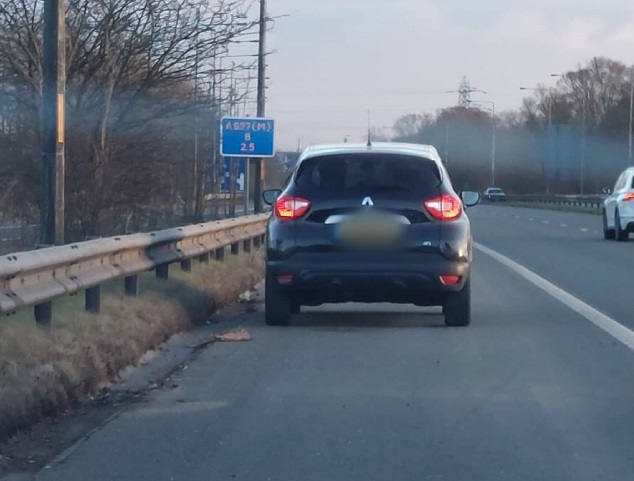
(495, 191)
(367, 174)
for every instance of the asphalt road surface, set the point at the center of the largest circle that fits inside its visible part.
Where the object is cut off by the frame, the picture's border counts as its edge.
(532, 390)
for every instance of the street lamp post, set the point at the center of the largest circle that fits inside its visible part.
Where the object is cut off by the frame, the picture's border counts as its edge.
(583, 147)
(631, 160)
(493, 135)
(582, 157)
(493, 141)
(550, 124)
(447, 143)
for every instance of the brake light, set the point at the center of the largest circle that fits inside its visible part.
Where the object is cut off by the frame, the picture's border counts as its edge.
(445, 207)
(629, 196)
(450, 280)
(290, 207)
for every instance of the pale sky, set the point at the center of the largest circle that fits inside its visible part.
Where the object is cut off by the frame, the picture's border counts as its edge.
(336, 59)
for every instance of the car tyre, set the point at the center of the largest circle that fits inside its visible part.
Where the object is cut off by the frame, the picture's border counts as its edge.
(607, 233)
(277, 304)
(457, 307)
(620, 234)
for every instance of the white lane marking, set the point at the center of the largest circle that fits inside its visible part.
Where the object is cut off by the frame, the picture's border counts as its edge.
(583, 229)
(609, 325)
(517, 217)
(546, 222)
(564, 225)
(531, 219)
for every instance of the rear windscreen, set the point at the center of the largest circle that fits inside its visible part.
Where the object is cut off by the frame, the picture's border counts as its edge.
(367, 174)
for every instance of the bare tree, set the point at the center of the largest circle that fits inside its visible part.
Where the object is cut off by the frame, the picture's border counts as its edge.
(132, 70)
(409, 125)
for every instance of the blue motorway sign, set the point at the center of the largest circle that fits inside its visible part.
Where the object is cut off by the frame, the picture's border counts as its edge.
(247, 137)
(241, 171)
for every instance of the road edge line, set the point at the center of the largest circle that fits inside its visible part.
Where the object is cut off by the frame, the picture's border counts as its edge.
(604, 322)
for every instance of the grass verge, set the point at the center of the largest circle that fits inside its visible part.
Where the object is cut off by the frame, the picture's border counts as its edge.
(43, 373)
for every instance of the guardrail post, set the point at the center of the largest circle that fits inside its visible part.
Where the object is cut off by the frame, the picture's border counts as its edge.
(131, 286)
(92, 297)
(235, 248)
(204, 258)
(44, 314)
(246, 245)
(186, 265)
(220, 254)
(163, 271)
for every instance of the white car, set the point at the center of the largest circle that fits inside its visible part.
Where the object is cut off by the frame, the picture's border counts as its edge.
(494, 193)
(618, 207)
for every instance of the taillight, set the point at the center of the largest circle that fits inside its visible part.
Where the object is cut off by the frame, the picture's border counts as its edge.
(450, 280)
(445, 207)
(629, 196)
(290, 207)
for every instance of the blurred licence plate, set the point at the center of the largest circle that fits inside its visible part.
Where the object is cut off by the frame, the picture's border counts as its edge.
(369, 232)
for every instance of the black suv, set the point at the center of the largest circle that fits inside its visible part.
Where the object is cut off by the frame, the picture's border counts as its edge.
(368, 223)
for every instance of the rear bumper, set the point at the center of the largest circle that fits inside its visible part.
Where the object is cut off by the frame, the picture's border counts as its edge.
(409, 278)
(626, 217)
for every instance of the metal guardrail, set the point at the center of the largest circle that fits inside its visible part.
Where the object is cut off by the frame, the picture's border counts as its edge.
(37, 278)
(589, 201)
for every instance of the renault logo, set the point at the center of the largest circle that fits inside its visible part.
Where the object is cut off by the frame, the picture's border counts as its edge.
(367, 201)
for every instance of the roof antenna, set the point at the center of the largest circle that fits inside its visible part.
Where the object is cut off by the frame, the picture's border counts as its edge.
(369, 130)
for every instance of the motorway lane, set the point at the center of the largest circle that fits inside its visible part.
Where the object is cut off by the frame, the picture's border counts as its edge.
(530, 391)
(567, 249)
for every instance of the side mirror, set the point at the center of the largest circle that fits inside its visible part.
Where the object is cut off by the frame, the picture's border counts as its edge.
(470, 198)
(271, 195)
(607, 191)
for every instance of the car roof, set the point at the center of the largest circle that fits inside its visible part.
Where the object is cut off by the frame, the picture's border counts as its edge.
(419, 150)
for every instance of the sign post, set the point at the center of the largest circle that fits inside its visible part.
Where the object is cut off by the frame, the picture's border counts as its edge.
(248, 138)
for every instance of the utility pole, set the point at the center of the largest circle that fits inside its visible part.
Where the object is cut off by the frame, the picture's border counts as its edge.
(52, 124)
(261, 99)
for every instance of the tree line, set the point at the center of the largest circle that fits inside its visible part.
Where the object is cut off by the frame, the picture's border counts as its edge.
(567, 138)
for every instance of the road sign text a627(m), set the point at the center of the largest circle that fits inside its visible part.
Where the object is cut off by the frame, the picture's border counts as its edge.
(247, 137)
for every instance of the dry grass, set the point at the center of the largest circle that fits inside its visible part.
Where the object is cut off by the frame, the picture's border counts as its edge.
(42, 373)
